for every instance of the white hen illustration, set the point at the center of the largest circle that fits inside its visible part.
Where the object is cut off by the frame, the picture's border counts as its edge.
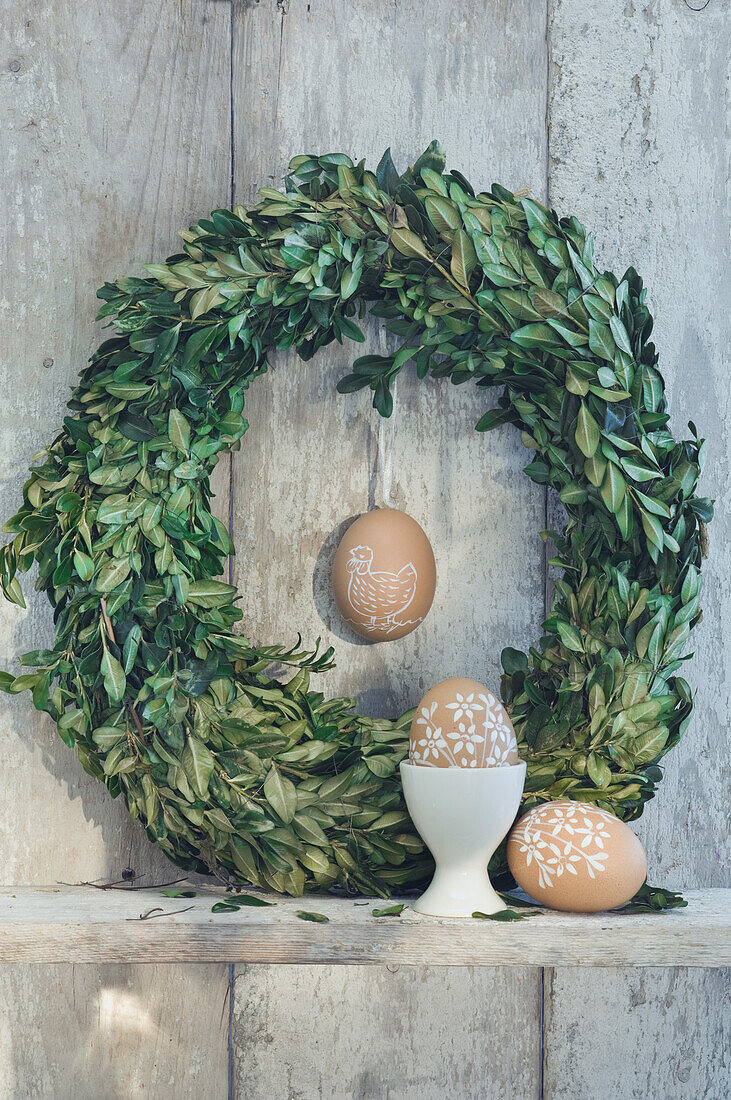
(377, 595)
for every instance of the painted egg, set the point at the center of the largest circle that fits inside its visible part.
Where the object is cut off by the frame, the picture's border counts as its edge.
(384, 575)
(460, 724)
(575, 857)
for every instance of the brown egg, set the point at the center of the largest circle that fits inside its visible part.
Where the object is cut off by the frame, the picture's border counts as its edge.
(384, 575)
(575, 857)
(460, 724)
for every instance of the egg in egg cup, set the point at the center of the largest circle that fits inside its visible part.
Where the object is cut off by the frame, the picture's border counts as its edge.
(462, 783)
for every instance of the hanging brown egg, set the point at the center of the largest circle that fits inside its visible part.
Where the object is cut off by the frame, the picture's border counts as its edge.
(460, 724)
(384, 575)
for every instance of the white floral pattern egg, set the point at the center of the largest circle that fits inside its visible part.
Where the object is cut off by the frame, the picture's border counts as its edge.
(576, 857)
(460, 724)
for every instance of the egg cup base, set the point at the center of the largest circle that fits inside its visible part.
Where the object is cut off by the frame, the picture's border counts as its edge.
(459, 892)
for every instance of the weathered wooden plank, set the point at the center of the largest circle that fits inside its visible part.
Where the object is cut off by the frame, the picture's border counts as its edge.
(115, 133)
(638, 152)
(113, 1032)
(320, 76)
(99, 174)
(75, 924)
(306, 463)
(394, 1032)
(637, 1033)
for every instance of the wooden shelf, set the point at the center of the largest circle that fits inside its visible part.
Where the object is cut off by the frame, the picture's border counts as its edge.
(57, 924)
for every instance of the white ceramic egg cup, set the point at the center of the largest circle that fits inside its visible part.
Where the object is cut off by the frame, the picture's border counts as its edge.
(461, 815)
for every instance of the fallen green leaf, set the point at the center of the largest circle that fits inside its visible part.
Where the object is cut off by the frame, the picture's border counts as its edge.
(390, 911)
(652, 899)
(505, 915)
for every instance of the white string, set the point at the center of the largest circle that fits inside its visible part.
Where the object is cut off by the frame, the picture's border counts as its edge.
(385, 453)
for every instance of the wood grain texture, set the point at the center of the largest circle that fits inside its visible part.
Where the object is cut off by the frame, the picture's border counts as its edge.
(638, 151)
(113, 1032)
(323, 76)
(637, 1034)
(391, 1033)
(76, 924)
(115, 134)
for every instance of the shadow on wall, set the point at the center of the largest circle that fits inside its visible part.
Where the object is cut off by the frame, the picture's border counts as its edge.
(322, 588)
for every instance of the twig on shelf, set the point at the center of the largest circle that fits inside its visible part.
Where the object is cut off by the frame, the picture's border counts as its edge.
(158, 912)
(124, 888)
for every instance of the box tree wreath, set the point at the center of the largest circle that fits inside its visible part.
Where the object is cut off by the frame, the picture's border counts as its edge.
(239, 773)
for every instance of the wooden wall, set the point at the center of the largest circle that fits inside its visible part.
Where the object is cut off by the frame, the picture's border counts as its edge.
(120, 123)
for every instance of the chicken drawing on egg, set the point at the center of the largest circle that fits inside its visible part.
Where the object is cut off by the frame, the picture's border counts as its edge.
(381, 597)
(384, 575)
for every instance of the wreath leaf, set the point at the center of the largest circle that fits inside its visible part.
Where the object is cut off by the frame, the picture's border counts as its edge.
(115, 680)
(281, 794)
(587, 432)
(198, 765)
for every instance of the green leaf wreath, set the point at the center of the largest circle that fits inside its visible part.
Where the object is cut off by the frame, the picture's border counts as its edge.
(233, 768)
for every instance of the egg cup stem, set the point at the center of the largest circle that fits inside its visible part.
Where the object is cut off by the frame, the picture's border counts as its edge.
(460, 892)
(461, 815)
